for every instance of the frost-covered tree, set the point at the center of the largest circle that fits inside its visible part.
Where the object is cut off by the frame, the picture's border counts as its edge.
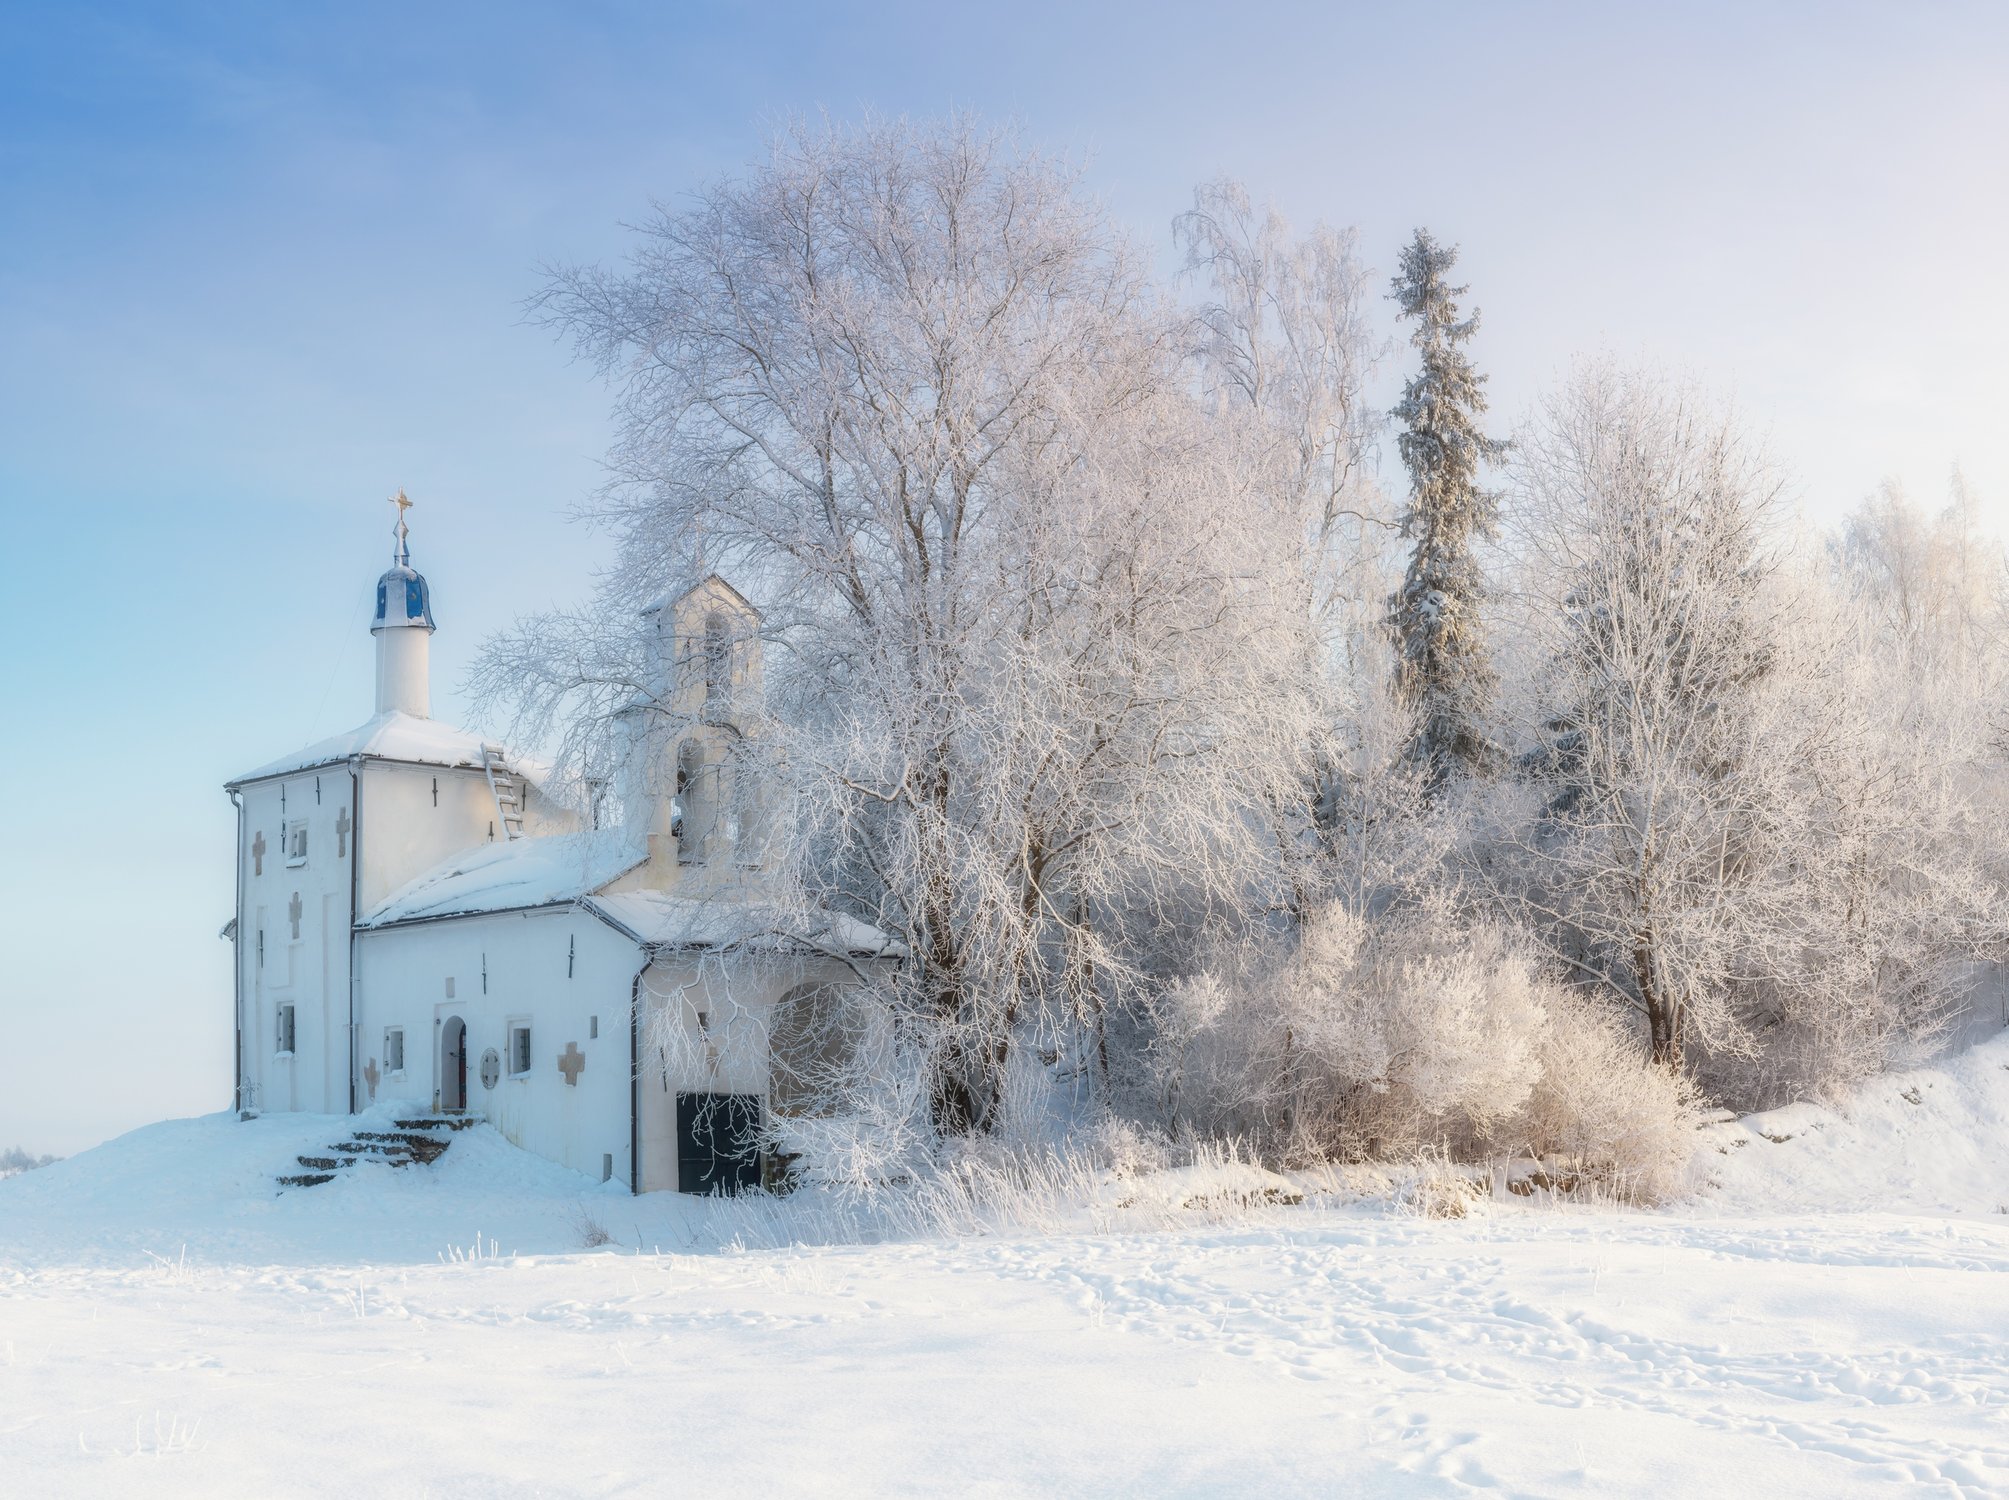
(1444, 670)
(1284, 348)
(1931, 586)
(1645, 525)
(1758, 824)
(1283, 334)
(1035, 651)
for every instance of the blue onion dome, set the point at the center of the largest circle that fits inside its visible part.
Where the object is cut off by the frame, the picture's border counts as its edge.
(403, 600)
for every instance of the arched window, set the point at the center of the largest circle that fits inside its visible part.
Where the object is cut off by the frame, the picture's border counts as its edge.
(746, 822)
(697, 804)
(810, 1049)
(718, 662)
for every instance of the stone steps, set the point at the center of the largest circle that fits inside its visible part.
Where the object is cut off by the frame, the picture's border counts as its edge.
(423, 1140)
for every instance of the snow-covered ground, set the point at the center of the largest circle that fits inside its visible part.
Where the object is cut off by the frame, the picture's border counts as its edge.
(1829, 1318)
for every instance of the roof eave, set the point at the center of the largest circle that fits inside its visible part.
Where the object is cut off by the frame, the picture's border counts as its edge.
(348, 760)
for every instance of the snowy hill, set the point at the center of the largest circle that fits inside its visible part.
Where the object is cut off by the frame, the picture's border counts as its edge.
(207, 1186)
(1934, 1140)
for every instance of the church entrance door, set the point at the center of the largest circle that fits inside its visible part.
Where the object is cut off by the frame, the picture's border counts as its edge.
(453, 1064)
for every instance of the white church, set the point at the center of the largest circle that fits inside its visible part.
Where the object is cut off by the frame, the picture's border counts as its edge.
(422, 920)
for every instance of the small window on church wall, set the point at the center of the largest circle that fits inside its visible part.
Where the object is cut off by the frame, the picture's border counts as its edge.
(519, 1049)
(394, 1050)
(296, 844)
(283, 1032)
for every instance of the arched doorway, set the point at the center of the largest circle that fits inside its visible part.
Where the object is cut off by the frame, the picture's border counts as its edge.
(453, 1064)
(810, 1050)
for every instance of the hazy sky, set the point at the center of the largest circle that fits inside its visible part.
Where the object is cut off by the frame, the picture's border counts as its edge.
(260, 265)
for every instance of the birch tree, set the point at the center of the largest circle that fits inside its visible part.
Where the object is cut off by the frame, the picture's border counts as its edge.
(1284, 347)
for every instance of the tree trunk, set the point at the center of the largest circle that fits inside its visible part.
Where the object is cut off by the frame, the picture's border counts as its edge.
(1663, 1014)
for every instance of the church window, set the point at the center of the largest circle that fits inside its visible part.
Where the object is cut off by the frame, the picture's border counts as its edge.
(519, 1049)
(697, 799)
(283, 1031)
(745, 827)
(296, 843)
(394, 1049)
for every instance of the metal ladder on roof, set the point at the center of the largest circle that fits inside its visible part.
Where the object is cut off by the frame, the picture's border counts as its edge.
(507, 788)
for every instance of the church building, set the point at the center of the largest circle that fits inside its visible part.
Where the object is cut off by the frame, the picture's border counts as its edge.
(423, 919)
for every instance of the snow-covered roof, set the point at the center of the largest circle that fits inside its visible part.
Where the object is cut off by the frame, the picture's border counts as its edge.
(523, 874)
(664, 920)
(678, 596)
(389, 736)
(512, 875)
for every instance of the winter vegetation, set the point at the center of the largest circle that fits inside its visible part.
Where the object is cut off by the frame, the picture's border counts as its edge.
(1222, 797)
(14, 1160)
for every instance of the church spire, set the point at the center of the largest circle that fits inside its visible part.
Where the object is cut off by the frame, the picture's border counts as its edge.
(402, 625)
(401, 555)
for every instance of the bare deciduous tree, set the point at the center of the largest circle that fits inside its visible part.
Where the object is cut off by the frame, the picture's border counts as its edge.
(1029, 613)
(1643, 522)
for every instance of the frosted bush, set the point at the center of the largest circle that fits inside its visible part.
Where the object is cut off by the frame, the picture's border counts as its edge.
(1420, 1035)
(1602, 1113)
(1126, 1148)
(1365, 1039)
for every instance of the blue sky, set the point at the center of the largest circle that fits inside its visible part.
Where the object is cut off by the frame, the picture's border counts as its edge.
(262, 264)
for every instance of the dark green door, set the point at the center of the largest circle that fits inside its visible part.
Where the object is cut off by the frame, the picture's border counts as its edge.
(718, 1142)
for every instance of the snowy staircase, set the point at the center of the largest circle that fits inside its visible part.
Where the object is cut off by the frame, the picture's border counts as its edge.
(507, 788)
(422, 1140)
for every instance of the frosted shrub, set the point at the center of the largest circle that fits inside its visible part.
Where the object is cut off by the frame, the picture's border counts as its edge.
(1421, 1036)
(1125, 1148)
(1601, 1113)
(1366, 1039)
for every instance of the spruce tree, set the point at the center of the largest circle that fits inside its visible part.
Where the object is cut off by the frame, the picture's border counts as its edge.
(1443, 671)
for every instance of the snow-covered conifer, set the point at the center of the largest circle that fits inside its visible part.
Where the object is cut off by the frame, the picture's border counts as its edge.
(1444, 672)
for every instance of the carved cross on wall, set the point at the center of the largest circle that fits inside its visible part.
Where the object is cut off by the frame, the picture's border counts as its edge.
(571, 1063)
(258, 853)
(342, 833)
(293, 913)
(370, 1076)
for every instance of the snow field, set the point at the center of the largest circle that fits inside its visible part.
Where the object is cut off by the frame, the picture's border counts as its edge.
(170, 1326)
(1528, 1353)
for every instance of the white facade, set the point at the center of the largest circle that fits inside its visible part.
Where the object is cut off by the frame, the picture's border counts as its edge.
(412, 904)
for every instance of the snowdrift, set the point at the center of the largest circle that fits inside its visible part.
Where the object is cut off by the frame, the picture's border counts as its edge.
(206, 1187)
(1931, 1140)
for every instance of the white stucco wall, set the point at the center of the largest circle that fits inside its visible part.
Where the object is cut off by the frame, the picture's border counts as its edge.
(310, 971)
(405, 973)
(407, 829)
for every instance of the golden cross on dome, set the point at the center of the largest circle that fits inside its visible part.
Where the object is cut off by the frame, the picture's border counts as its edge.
(402, 531)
